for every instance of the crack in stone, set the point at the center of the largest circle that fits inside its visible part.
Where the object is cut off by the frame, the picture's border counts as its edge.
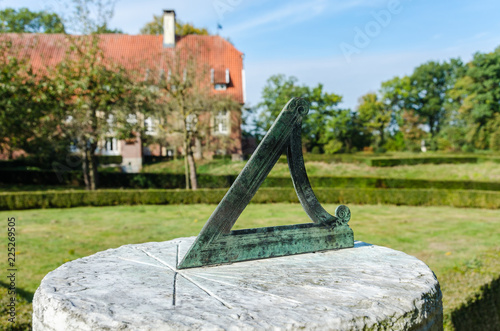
(175, 270)
(173, 294)
(250, 289)
(139, 262)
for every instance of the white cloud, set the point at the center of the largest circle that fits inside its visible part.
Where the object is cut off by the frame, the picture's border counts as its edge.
(291, 13)
(296, 12)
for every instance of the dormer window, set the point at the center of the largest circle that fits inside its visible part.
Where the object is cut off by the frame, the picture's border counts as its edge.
(220, 78)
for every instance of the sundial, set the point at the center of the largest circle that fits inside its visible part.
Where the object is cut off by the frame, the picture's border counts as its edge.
(217, 244)
(142, 286)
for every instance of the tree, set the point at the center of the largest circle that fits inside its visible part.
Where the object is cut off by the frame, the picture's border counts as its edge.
(323, 106)
(405, 127)
(24, 20)
(477, 96)
(344, 132)
(26, 122)
(376, 115)
(181, 29)
(430, 84)
(395, 94)
(95, 97)
(104, 29)
(187, 103)
(16, 89)
(411, 127)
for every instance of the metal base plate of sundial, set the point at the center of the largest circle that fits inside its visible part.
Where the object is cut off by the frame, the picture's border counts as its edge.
(217, 244)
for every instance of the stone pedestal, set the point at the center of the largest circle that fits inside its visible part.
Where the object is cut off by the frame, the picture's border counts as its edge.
(137, 287)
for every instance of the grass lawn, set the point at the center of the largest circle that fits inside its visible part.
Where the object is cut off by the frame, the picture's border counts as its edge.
(460, 245)
(486, 171)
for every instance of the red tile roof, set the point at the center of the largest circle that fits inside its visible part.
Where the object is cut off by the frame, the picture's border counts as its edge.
(142, 51)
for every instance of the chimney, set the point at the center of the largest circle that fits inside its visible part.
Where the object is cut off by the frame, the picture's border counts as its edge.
(168, 28)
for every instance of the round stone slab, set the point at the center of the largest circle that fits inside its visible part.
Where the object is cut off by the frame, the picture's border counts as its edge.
(137, 287)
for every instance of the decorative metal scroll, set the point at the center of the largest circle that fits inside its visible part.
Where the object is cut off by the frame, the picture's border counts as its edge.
(217, 244)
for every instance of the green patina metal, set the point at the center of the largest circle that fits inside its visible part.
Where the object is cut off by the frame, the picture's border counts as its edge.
(217, 244)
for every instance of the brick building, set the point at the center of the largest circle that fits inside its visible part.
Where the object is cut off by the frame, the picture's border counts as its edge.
(142, 52)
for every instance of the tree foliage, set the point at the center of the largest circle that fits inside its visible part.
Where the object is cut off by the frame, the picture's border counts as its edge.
(95, 99)
(477, 96)
(26, 21)
(344, 132)
(26, 119)
(155, 27)
(376, 115)
(188, 105)
(430, 83)
(323, 106)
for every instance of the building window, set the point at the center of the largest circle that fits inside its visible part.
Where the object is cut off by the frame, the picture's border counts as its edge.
(220, 87)
(150, 126)
(221, 123)
(110, 147)
(191, 121)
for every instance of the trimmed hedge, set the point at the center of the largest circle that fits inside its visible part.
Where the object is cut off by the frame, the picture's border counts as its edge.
(391, 162)
(173, 181)
(388, 161)
(411, 197)
(20, 163)
(329, 158)
(47, 164)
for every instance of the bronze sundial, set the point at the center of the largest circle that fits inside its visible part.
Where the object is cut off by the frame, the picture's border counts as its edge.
(217, 244)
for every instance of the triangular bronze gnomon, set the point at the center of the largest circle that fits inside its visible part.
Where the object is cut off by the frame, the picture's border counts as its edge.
(217, 244)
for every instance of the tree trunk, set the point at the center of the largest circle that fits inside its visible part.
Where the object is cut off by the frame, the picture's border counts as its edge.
(86, 168)
(198, 148)
(89, 167)
(382, 140)
(94, 175)
(186, 165)
(192, 170)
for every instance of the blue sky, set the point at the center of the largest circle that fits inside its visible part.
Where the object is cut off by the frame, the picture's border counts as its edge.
(349, 46)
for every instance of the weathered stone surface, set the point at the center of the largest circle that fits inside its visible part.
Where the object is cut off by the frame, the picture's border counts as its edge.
(137, 287)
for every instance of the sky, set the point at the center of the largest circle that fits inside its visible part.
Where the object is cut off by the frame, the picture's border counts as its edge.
(350, 47)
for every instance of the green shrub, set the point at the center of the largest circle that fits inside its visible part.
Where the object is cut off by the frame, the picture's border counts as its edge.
(316, 150)
(333, 147)
(412, 197)
(150, 159)
(222, 157)
(109, 159)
